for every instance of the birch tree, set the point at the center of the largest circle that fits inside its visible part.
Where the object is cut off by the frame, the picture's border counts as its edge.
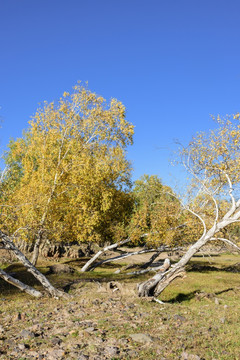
(69, 177)
(212, 161)
(7, 243)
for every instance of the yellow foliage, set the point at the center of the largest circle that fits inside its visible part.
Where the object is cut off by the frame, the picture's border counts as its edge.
(69, 176)
(157, 213)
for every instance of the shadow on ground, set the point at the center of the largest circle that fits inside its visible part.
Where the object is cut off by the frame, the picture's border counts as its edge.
(181, 297)
(202, 267)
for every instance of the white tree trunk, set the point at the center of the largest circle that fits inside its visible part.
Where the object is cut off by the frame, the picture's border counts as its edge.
(159, 282)
(110, 247)
(120, 257)
(127, 254)
(36, 251)
(9, 245)
(23, 287)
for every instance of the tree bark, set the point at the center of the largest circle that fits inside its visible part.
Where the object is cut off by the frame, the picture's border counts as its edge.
(23, 287)
(147, 287)
(9, 245)
(110, 247)
(155, 285)
(36, 250)
(120, 257)
(153, 257)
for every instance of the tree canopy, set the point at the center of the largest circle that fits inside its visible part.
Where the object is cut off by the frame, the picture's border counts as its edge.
(156, 212)
(68, 176)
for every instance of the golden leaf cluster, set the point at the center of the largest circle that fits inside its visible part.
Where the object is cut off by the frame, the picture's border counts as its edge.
(68, 175)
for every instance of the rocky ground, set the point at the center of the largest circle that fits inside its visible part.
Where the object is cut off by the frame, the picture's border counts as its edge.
(105, 319)
(105, 327)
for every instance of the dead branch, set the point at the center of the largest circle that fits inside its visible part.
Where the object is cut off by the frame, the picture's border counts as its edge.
(17, 283)
(100, 252)
(120, 257)
(9, 245)
(226, 241)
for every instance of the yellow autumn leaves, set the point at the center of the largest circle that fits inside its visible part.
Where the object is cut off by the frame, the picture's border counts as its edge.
(68, 175)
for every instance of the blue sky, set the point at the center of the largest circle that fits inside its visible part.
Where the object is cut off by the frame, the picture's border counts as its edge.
(172, 63)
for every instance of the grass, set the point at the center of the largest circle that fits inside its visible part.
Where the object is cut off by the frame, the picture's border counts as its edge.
(201, 314)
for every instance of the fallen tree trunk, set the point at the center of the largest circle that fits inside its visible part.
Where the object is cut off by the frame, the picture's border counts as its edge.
(120, 257)
(127, 254)
(144, 271)
(23, 287)
(9, 245)
(151, 260)
(147, 287)
(159, 250)
(155, 285)
(100, 252)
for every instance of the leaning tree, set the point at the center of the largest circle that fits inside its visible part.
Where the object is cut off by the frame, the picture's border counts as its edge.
(213, 162)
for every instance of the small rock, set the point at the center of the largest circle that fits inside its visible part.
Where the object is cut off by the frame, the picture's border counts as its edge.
(112, 350)
(26, 334)
(23, 346)
(186, 356)
(142, 338)
(216, 301)
(180, 318)
(1, 329)
(56, 341)
(60, 268)
(222, 320)
(82, 357)
(56, 354)
(90, 329)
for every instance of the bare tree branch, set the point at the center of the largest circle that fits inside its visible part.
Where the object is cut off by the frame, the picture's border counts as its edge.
(227, 241)
(120, 257)
(23, 287)
(110, 247)
(193, 213)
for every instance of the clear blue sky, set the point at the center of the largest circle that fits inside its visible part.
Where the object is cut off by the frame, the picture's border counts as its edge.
(171, 62)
